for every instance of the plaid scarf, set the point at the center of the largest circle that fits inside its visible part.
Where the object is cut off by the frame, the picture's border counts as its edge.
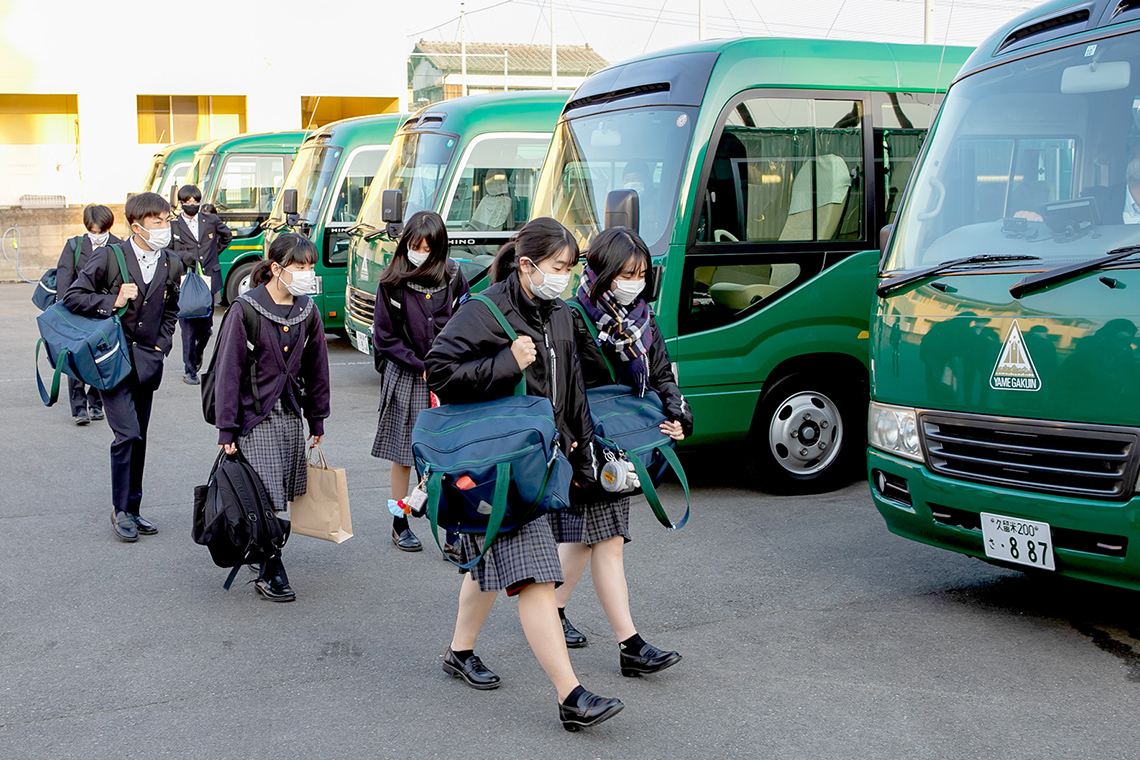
(626, 328)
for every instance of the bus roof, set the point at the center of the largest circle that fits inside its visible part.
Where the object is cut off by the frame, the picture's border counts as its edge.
(534, 111)
(176, 149)
(359, 129)
(272, 142)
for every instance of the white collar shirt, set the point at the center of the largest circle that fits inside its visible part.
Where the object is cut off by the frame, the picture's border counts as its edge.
(1131, 210)
(148, 260)
(192, 223)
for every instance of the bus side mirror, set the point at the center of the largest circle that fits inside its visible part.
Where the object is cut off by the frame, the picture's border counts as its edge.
(884, 238)
(289, 201)
(173, 196)
(656, 274)
(392, 212)
(623, 209)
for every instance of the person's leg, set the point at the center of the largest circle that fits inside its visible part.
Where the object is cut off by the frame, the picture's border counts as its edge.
(77, 396)
(538, 614)
(574, 558)
(474, 607)
(94, 402)
(399, 479)
(119, 404)
(143, 399)
(611, 587)
(203, 330)
(186, 327)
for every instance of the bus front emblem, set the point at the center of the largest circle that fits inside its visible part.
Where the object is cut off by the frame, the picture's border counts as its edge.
(1014, 370)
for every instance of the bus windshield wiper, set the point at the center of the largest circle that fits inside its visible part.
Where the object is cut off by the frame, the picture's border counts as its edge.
(356, 227)
(902, 280)
(1035, 282)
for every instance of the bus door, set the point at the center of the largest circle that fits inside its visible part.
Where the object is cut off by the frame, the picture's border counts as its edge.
(359, 170)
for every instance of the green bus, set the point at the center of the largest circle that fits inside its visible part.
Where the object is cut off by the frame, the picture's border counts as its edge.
(169, 167)
(762, 169)
(239, 178)
(476, 162)
(1004, 422)
(326, 187)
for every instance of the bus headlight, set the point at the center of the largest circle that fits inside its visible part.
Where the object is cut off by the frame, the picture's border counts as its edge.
(894, 429)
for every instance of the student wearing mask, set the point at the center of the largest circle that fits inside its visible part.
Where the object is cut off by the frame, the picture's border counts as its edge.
(473, 360)
(416, 294)
(151, 301)
(199, 238)
(86, 404)
(292, 369)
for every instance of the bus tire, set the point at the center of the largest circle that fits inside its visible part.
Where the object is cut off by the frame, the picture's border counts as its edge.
(238, 274)
(809, 435)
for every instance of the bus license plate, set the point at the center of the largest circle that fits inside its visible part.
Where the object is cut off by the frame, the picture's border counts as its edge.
(1012, 539)
(361, 339)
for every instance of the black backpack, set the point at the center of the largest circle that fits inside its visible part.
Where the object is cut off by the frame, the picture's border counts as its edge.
(234, 518)
(396, 312)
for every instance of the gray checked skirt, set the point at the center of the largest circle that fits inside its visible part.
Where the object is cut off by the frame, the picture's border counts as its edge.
(517, 559)
(276, 451)
(592, 523)
(403, 395)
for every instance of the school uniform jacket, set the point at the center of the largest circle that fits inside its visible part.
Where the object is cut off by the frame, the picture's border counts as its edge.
(471, 361)
(213, 238)
(65, 270)
(406, 341)
(150, 318)
(661, 377)
(295, 371)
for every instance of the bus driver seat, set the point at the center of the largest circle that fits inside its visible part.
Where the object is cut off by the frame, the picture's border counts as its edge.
(494, 208)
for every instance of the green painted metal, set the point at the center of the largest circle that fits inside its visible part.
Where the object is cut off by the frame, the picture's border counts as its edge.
(167, 164)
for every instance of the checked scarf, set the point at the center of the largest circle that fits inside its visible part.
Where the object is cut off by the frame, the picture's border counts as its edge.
(626, 328)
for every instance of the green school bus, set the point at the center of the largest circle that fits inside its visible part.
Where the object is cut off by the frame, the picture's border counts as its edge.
(330, 178)
(169, 167)
(240, 177)
(763, 170)
(1004, 422)
(473, 160)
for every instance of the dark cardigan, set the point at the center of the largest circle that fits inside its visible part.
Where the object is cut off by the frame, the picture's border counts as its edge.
(424, 316)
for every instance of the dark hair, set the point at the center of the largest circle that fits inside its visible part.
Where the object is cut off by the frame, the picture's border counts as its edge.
(539, 240)
(286, 249)
(609, 252)
(424, 226)
(186, 192)
(99, 217)
(141, 206)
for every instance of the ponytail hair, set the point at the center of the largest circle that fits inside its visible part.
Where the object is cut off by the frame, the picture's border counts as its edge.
(286, 249)
(538, 240)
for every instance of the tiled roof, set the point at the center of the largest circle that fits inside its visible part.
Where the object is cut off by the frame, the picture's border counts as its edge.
(573, 60)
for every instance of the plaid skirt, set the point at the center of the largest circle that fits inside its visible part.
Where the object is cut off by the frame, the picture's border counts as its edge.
(592, 522)
(517, 559)
(276, 451)
(403, 395)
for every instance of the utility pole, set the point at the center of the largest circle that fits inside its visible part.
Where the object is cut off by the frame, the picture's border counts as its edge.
(463, 45)
(701, 22)
(928, 22)
(553, 52)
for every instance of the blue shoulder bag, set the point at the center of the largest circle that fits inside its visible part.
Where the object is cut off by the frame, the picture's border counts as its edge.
(45, 293)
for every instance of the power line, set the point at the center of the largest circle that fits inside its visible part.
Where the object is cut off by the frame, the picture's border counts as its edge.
(452, 20)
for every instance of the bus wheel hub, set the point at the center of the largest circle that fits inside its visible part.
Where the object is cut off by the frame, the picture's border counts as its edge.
(805, 433)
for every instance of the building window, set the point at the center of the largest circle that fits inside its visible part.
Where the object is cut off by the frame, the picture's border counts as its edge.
(182, 118)
(319, 110)
(38, 119)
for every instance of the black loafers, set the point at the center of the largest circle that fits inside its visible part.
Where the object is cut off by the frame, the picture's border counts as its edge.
(124, 526)
(590, 711)
(274, 592)
(575, 639)
(82, 419)
(191, 378)
(96, 414)
(472, 670)
(406, 541)
(144, 526)
(649, 660)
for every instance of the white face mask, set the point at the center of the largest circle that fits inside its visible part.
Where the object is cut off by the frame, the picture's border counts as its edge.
(551, 286)
(156, 240)
(637, 187)
(626, 291)
(303, 282)
(416, 258)
(99, 240)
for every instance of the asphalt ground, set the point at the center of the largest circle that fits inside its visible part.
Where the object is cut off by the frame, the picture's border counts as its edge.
(808, 631)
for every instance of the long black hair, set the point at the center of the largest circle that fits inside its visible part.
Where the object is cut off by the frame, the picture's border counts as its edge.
(609, 253)
(286, 249)
(424, 226)
(539, 240)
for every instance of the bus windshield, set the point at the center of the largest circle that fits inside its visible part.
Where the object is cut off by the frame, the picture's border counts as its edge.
(311, 176)
(416, 164)
(641, 149)
(199, 174)
(1038, 158)
(154, 175)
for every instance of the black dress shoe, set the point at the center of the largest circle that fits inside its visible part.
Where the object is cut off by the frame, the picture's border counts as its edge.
(81, 418)
(406, 541)
(472, 671)
(96, 413)
(649, 660)
(145, 527)
(575, 639)
(124, 526)
(274, 592)
(590, 711)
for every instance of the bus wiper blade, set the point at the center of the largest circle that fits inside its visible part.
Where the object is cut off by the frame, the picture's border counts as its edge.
(359, 225)
(374, 234)
(1035, 282)
(903, 280)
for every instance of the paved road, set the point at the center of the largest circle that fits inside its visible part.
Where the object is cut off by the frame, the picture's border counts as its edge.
(807, 630)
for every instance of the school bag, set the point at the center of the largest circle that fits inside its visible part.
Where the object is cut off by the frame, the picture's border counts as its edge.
(234, 517)
(195, 299)
(493, 466)
(396, 313)
(92, 350)
(626, 427)
(45, 293)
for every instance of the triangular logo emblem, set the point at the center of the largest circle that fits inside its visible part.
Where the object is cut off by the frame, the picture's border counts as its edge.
(1014, 370)
(484, 508)
(363, 267)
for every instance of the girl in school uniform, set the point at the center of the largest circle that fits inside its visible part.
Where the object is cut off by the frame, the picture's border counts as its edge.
(416, 295)
(473, 360)
(612, 290)
(292, 382)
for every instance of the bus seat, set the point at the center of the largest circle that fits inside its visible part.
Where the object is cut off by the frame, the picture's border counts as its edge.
(735, 296)
(834, 182)
(495, 207)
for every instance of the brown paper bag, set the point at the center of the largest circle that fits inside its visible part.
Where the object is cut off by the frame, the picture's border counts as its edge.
(322, 511)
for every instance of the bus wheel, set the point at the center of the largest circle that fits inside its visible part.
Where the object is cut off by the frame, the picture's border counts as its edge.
(238, 281)
(807, 436)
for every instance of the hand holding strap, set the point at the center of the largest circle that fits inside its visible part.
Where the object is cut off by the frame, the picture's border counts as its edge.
(520, 389)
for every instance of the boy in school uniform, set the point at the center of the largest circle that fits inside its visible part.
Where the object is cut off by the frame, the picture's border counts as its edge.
(86, 405)
(199, 238)
(151, 300)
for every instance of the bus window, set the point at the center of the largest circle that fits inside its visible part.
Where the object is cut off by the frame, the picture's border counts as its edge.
(495, 187)
(350, 196)
(248, 184)
(901, 120)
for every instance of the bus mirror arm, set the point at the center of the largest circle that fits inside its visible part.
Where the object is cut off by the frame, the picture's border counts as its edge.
(658, 275)
(623, 209)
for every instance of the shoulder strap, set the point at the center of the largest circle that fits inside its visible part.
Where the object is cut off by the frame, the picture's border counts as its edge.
(650, 492)
(77, 243)
(520, 389)
(252, 321)
(122, 264)
(593, 329)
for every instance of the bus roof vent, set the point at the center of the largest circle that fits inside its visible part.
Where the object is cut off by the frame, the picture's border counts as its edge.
(1051, 27)
(1125, 10)
(609, 97)
(427, 121)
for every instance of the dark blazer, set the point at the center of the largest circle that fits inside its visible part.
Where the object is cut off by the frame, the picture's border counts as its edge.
(65, 270)
(300, 378)
(408, 341)
(150, 318)
(214, 237)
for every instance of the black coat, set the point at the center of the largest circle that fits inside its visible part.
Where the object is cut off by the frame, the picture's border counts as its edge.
(661, 377)
(150, 318)
(66, 268)
(471, 361)
(213, 238)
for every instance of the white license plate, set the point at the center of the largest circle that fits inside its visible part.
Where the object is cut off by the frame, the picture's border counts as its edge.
(362, 342)
(1015, 540)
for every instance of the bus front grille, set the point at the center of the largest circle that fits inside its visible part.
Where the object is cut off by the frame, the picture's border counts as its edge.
(1068, 459)
(361, 305)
